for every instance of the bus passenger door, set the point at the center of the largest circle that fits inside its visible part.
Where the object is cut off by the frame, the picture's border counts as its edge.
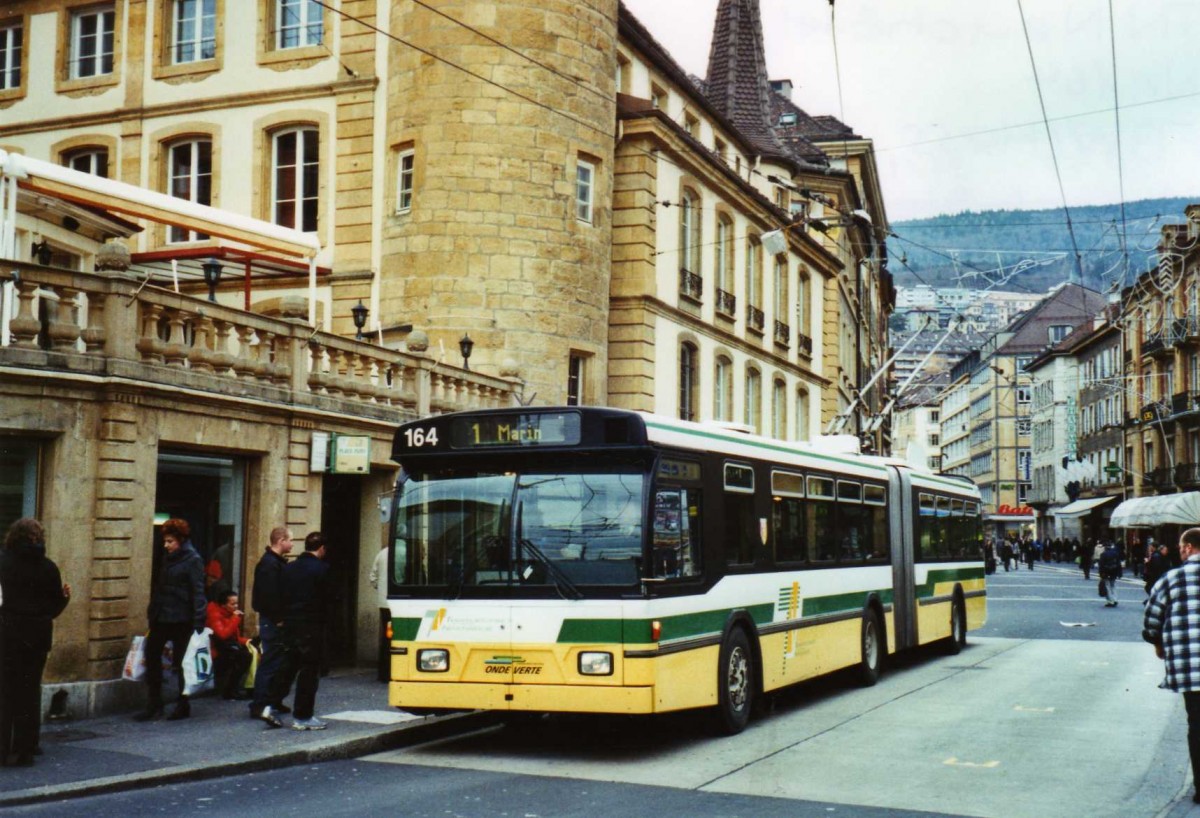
(901, 527)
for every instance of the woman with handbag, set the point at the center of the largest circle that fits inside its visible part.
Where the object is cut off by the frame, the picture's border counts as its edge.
(32, 594)
(176, 610)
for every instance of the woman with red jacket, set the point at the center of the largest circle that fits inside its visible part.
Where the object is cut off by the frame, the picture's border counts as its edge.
(231, 657)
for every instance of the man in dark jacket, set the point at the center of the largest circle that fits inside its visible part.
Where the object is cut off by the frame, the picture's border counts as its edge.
(1110, 572)
(32, 594)
(267, 600)
(1158, 564)
(307, 596)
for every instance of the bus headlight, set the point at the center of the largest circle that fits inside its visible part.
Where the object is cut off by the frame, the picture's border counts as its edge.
(595, 663)
(433, 660)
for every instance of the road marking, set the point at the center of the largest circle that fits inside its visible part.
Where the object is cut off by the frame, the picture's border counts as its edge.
(1020, 708)
(1090, 600)
(987, 765)
(1077, 624)
(1094, 664)
(372, 716)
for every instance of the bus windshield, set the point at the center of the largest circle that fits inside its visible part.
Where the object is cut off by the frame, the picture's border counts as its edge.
(468, 530)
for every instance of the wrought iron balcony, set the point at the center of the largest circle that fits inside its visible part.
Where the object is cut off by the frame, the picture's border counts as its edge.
(726, 303)
(690, 284)
(1187, 474)
(755, 319)
(783, 333)
(1163, 478)
(805, 343)
(1162, 343)
(1187, 329)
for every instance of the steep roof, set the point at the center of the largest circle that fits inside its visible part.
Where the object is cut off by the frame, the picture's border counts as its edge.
(1070, 304)
(737, 83)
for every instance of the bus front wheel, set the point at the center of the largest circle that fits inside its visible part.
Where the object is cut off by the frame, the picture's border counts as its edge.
(871, 664)
(735, 684)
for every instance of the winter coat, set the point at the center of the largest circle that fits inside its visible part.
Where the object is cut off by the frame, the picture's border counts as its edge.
(1110, 563)
(226, 627)
(268, 586)
(307, 590)
(32, 592)
(178, 597)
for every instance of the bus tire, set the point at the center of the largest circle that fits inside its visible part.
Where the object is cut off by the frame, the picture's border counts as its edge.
(873, 647)
(735, 684)
(958, 627)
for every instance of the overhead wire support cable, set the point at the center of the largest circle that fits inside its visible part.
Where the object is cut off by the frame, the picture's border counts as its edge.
(1112, 28)
(1050, 138)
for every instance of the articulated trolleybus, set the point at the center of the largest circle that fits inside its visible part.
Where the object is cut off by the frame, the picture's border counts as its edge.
(596, 560)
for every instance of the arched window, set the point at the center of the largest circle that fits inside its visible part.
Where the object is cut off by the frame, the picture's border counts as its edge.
(754, 399)
(802, 414)
(724, 265)
(723, 389)
(754, 288)
(91, 160)
(689, 231)
(295, 177)
(783, 330)
(189, 176)
(779, 410)
(688, 377)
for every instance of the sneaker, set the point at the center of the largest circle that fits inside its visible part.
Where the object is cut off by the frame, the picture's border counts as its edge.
(309, 724)
(268, 715)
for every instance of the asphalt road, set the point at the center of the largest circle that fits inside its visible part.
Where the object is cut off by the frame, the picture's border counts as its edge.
(1040, 719)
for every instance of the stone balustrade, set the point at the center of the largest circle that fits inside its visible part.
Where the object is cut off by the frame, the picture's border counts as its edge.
(112, 325)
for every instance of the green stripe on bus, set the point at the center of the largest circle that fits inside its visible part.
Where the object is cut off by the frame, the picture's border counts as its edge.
(405, 629)
(839, 603)
(947, 575)
(758, 444)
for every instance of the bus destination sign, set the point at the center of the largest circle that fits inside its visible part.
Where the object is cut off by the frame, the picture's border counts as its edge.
(520, 429)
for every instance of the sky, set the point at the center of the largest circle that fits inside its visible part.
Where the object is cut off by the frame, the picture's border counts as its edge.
(923, 78)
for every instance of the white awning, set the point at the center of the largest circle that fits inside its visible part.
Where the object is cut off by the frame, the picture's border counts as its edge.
(1167, 509)
(1080, 507)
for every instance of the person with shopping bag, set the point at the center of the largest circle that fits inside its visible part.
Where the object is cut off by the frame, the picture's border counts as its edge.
(32, 594)
(176, 611)
(231, 658)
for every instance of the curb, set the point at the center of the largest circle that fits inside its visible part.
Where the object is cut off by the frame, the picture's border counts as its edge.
(431, 728)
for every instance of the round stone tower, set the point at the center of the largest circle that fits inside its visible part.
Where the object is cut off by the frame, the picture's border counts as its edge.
(494, 243)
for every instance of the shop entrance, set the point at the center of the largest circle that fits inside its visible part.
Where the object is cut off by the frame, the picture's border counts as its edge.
(209, 493)
(341, 519)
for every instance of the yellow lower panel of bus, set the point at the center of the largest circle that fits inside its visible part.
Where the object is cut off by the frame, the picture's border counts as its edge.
(535, 697)
(801, 654)
(933, 622)
(976, 612)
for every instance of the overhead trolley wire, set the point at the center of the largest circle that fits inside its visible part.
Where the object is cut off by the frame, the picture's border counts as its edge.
(1112, 28)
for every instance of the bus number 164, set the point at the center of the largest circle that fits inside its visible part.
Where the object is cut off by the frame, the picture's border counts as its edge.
(416, 438)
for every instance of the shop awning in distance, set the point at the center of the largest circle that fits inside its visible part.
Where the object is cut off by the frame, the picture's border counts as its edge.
(1166, 509)
(1081, 507)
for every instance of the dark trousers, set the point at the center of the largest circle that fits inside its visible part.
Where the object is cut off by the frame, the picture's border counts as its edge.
(20, 698)
(268, 663)
(230, 668)
(178, 634)
(1191, 701)
(303, 652)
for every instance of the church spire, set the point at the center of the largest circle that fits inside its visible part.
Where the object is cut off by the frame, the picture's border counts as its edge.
(737, 83)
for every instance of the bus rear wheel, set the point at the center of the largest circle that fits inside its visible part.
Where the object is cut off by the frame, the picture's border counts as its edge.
(958, 627)
(735, 684)
(871, 664)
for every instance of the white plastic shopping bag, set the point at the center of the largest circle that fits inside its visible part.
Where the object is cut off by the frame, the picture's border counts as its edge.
(135, 660)
(198, 664)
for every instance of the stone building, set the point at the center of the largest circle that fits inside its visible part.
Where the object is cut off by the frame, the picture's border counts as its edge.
(541, 178)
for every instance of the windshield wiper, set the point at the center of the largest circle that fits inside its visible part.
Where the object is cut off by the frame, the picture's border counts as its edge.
(561, 581)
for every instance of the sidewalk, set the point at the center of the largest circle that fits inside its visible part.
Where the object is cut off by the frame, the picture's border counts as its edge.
(115, 753)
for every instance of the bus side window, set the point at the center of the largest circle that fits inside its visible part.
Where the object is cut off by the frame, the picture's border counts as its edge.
(676, 533)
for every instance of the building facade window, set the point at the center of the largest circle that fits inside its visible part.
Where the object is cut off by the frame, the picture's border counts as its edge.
(18, 481)
(405, 162)
(779, 410)
(190, 178)
(723, 389)
(87, 160)
(576, 365)
(688, 386)
(689, 231)
(723, 260)
(295, 178)
(585, 176)
(754, 288)
(10, 56)
(298, 23)
(753, 408)
(92, 40)
(802, 410)
(194, 31)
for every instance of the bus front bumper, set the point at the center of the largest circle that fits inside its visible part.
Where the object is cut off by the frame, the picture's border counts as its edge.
(534, 698)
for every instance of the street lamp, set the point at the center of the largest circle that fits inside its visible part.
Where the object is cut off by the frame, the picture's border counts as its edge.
(465, 345)
(212, 276)
(359, 312)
